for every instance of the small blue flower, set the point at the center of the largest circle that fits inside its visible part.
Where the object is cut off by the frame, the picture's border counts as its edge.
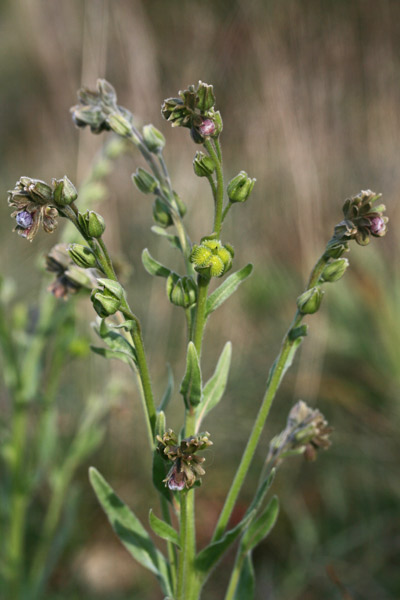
(24, 219)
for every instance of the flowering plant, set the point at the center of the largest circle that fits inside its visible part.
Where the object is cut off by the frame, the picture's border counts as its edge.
(177, 457)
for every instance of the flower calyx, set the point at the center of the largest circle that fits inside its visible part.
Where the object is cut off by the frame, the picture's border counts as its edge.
(210, 258)
(69, 277)
(34, 203)
(186, 469)
(305, 433)
(92, 224)
(107, 299)
(181, 291)
(240, 187)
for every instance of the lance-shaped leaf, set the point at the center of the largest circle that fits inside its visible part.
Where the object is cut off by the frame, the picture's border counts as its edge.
(261, 493)
(130, 530)
(118, 345)
(152, 266)
(215, 386)
(168, 390)
(163, 529)
(209, 556)
(227, 288)
(260, 527)
(191, 383)
(173, 239)
(247, 584)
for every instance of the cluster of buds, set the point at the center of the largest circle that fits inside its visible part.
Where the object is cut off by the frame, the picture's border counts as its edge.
(194, 108)
(98, 109)
(306, 432)
(70, 277)
(361, 220)
(211, 258)
(36, 204)
(186, 468)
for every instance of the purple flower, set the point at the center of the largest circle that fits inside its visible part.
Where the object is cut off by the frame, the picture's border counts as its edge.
(377, 225)
(24, 219)
(207, 127)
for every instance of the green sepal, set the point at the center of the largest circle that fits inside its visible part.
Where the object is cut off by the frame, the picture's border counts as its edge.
(191, 383)
(209, 556)
(173, 239)
(163, 529)
(247, 582)
(227, 288)
(130, 530)
(215, 387)
(168, 390)
(152, 266)
(260, 527)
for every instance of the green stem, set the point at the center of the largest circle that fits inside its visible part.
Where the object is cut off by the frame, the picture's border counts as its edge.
(219, 197)
(226, 210)
(218, 148)
(234, 580)
(170, 546)
(107, 258)
(213, 188)
(282, 362)
(180, 585)
(203, 284)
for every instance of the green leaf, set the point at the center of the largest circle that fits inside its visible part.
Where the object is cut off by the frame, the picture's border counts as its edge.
(215, 387)
(261, 527)
(261, 493)
(168, 391)
(106, 353)
(247, 584)
(130, 530)
(173, 239)
(209, 556)
(115, 341)
(163, 530)
(227, 288)
(191, 383)
(152, 266)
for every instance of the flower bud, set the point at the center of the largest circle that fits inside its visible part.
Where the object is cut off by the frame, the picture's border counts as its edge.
(310, 301)
(82, 256)
(145, 182)
(119, 124)
(182, 291)
(64, 191)
(205, 97)
(203, 165)
(24, 219)
(92, 223)
(335, 270)
(207, 128)
(240, 187)
(107, 300)
(161, 213)
(377, 226)
(153, 138)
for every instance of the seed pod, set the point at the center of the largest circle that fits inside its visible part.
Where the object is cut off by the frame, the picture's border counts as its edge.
(92, 223)
(240, 187)
(64, 191)
(107, 300)
(153, 138)
(310, 301)
(145, 182)
(82, 256)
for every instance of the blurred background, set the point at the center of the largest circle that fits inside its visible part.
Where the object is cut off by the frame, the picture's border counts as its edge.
(309, 92)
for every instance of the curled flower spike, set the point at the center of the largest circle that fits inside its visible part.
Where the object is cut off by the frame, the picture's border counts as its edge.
(194, 108)
(33, 201)
(69, 277)
(306, 431)
(186, 468)
(362, 219)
